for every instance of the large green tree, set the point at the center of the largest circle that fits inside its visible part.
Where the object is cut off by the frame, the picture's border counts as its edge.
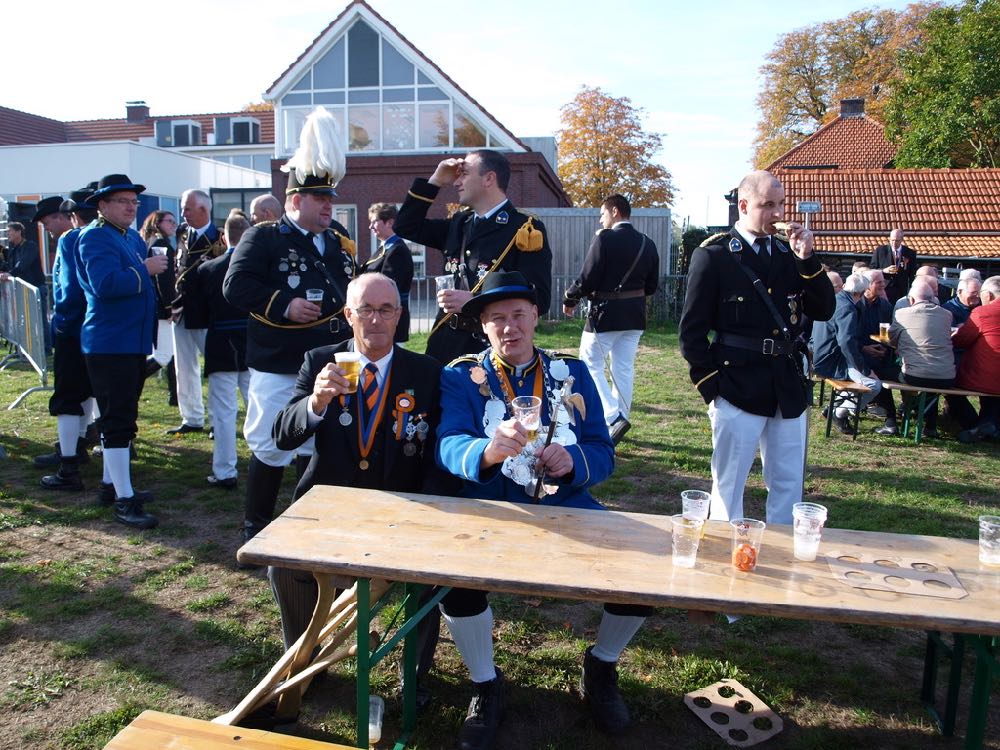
(811, 69)
(945, 110)
(603, 149)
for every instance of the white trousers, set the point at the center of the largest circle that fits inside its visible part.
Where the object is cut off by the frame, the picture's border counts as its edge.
(269, 393)
(163, 349)
(618, 349)
(736, 436)
(188, 344)
(222, 387)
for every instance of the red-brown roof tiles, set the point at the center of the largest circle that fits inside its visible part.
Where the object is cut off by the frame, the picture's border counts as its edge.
(121, 129)
(21, 128)
(847, 142)
(925, 246)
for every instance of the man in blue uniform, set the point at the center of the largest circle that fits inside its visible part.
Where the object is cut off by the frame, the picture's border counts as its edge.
(291, 277)
(481, 444)
(491, 235)
(750, 289)
(117, 332)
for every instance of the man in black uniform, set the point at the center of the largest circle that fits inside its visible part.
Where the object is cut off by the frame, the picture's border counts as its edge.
(393, 259)
(275, 270)
(898, 263)
(198, 240)
(490, 235)
(621, 269)
(750, 373)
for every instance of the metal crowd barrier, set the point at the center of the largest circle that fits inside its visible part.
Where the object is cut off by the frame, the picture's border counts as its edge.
(22, 325)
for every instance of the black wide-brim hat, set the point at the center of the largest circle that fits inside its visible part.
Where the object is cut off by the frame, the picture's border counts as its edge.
(312, 184)
(500, 285)
(78, 199)
(47, 207)
(113, 183)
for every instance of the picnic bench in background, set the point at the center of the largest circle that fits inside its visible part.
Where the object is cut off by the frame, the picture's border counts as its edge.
(609, 556)
(848, 391)
(926, 399)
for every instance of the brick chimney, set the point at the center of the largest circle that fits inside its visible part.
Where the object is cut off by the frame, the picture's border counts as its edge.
(852, 107)
(136, 112)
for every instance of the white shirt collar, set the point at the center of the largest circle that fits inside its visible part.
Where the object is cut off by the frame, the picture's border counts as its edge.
(493, 210)
(749, 238)
(317, 239)
(382, 365)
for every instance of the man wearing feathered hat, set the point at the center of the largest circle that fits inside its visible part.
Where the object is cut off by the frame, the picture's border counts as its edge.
(117, 331)
(291, 276)
(488, 236)
(483, 441)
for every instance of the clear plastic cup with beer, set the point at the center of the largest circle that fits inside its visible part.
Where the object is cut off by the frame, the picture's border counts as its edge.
(528, 411)
(350, 363)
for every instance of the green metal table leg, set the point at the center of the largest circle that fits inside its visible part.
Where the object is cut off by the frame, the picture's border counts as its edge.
(410, 661)
(979, 704)
(918, 432)
(363, 658)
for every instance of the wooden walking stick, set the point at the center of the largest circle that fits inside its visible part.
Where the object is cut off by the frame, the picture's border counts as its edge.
(574, 403)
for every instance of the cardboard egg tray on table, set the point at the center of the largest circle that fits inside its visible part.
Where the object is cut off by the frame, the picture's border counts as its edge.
(896, 574)
(734, 713)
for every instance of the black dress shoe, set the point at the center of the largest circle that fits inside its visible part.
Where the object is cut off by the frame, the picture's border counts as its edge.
(843, 425)
(63, 480)
(618, 429)
(51, 460)
(184, 429)
(931, 433)
(129, 511)
(479, 732)
(106, 495)
(886, 429)
(599, 687)
(222, 484)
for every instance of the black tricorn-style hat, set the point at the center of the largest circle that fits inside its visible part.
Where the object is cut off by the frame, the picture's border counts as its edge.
(78, 199)
(323, 185)
(113, 183)
(47, 207)
(500, 285)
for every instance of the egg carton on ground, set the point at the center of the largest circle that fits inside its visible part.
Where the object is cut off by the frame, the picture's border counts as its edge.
(733, 712)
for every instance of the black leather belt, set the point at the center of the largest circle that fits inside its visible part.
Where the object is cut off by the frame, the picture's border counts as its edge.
(631, 293)
(771, 347)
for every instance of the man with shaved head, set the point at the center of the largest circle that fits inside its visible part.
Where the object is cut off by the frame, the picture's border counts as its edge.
(741, 333)
(265, 208)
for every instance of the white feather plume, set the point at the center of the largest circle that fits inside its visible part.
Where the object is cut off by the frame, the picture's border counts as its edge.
(320, 151)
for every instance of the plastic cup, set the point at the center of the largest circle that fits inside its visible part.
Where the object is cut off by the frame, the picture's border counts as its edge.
(695, 504)
(350, 363)
(314, 295)
(989, 540)
(807, 520)
(159, 250)
(376, 710)
(883, 331)
(748, 533)
(528, 411)
(444, 282)
(684, 540)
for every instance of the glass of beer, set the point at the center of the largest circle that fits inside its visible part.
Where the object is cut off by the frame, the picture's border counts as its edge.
(350, 363)
(528, 411)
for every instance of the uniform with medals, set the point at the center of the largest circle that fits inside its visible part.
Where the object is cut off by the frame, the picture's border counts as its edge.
(750, 364)
(471, 250)
(395, 261)
(476, 392)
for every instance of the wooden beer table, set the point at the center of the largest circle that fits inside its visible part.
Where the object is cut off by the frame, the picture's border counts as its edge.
(608, 556)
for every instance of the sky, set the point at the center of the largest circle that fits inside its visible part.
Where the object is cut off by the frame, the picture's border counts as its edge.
(692, 68)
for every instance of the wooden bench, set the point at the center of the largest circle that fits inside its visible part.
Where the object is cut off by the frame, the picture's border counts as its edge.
(153, 730)
(850, 392)
(923, 403)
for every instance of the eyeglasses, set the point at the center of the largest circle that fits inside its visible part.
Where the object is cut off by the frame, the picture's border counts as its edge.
(124, 201)
(385, 312)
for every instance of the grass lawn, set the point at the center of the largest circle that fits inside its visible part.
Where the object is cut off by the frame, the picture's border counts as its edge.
(98, 622)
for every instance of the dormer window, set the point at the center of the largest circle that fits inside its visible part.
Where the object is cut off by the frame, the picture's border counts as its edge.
(236, 130)
(178, 133)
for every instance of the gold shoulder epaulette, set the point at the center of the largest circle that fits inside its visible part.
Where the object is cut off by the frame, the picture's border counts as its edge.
(347, 243)
(711, 240)
(463, 358)
(529, 239)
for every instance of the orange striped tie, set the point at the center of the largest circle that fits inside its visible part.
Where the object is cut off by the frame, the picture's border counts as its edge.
(369, 386)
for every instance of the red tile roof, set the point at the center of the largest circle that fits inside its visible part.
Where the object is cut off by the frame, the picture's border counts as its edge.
(21, 128)
(935, 207)
(847, 142)
(121, 129)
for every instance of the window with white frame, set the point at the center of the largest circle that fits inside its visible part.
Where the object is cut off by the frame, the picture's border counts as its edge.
(177, 133)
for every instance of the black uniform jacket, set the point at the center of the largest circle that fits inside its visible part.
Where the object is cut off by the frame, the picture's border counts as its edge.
(609, 257)
(392, 466)
(721, 299)
(396, 262)
(25, 263)
(472, 251)
(896, 284)
(226, 337)
(191, 252)
(273, 264)
(164, 283)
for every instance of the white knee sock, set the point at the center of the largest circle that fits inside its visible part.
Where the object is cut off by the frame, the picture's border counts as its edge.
(473, 637)
(116, 463)
(90, 409)
(106, 469)
(67, 426)
(83, 422)
(614, 635)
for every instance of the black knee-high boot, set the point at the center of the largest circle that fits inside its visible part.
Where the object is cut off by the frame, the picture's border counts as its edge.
(263, 482)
